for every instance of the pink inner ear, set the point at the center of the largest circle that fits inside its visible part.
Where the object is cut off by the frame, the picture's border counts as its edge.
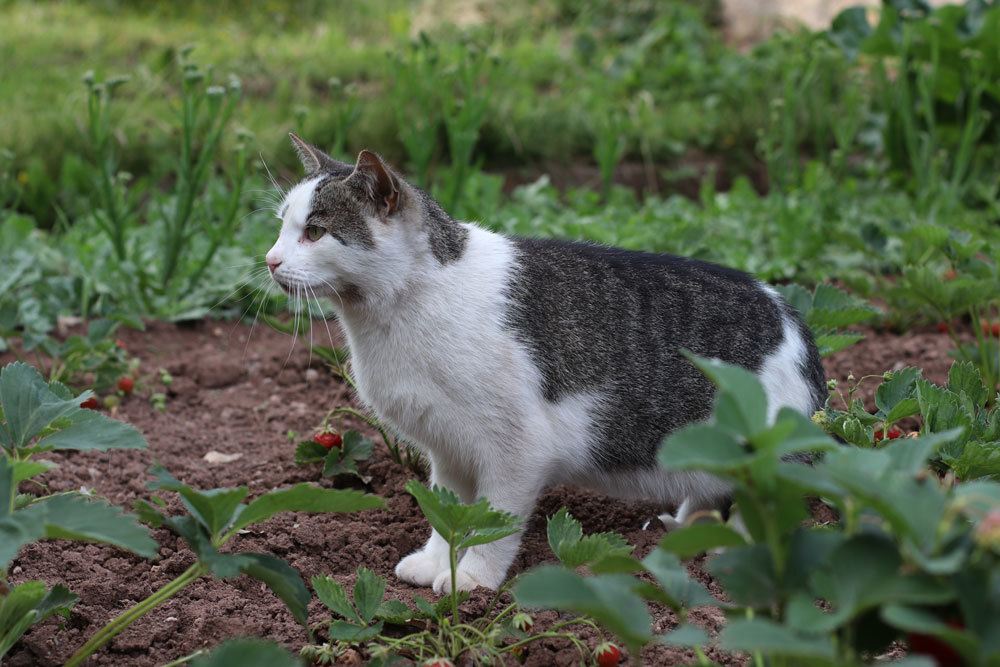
(385, 186)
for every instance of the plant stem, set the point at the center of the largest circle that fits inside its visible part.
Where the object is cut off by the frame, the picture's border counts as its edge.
(453, 558)
(186, 659)
(129, 616)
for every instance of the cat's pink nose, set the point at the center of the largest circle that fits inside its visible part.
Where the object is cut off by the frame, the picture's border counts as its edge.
(273, 265)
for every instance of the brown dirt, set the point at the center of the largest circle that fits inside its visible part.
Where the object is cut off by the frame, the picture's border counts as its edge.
(683, 176)
(240, 397)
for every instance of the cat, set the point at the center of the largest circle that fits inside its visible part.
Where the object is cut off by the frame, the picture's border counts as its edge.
(518, 363)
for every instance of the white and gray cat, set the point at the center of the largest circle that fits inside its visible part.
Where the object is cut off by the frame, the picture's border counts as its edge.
(519, 363)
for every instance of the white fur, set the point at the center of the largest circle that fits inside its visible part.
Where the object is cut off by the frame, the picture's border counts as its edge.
(432, 357)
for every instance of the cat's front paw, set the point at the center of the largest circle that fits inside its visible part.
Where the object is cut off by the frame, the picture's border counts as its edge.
(464, 581)
(422, 567)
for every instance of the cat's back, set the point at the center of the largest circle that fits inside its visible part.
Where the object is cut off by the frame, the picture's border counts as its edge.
(594, 308)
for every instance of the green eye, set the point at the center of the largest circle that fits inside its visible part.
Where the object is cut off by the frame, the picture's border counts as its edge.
(313, 233)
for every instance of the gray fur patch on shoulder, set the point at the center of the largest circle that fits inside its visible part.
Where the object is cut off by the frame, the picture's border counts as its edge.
(446, 236)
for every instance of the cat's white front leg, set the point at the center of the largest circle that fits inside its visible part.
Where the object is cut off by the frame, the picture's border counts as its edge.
(514, 491)
(423, 566)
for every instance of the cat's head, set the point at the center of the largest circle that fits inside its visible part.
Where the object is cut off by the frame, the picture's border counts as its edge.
(357, 234)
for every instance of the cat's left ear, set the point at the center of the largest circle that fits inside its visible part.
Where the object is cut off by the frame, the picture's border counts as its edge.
(383, 185)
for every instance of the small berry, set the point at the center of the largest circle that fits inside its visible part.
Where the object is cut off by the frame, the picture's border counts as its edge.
(995, 329)
(942, 653)
(126, 384)
(328, 440)
(439, 662)
(988, 531)
(950, 274)
(91, 404)
(893, 433)
(942, 327)
(608, 655)
(119, 343)
(991, 328)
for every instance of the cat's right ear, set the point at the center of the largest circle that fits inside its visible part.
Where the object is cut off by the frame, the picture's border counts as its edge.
(313, 159)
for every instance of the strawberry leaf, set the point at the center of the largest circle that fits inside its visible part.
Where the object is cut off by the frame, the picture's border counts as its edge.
(333, 595)
(573, 549)
(305, 498)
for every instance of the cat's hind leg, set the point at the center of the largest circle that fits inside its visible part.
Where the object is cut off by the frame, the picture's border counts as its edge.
(423, 566)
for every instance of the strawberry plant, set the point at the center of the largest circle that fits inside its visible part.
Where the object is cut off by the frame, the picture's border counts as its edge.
(460, 525)
(338, 453)
(38, 417)
(827, 311)
(909, 553)
(213, 518)
(963, 404)
(423, 632)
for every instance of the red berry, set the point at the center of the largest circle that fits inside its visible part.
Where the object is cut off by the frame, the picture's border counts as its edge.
(119, 343)
(893, 433)
(126, 384)
(438, 662)
(608, 655)
(942, 653)
(950, 274)
(91, 404)
(328, 440)
(942, 327)
(995, 329)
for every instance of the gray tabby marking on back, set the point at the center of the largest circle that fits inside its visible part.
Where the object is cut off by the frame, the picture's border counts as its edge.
(613, 322)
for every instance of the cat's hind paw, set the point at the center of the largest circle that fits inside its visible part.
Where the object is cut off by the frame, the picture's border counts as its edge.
(422, 568)
(464, 581)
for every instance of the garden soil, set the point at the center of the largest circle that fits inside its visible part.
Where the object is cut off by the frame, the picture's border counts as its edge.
(240, 394)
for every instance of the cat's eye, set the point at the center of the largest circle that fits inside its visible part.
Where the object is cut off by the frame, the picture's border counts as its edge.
(314, 233)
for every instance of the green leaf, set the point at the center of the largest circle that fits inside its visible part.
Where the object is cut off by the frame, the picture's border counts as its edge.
(865, 572)
(394, 611)
(214, 509)
(333, 595)
(689, 541)
(574, 550)
(282, 579)
(248, 653)
(702, 447)
(686, 635)
(344, 460)
(369, 588)
(828, 343)
(461, 525)
(899, 387)
(94, 431)
(26, 469)
(682, 591)
(607, 598)
(776, 640)
(74, 517)
(850, 29)
(308, 452)
(747, 575)
(305, 498)
(342, 631)
(19, 601)
(28, 404)
(740, 402)
(8, 487)
(15, 532)
(964, 378)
